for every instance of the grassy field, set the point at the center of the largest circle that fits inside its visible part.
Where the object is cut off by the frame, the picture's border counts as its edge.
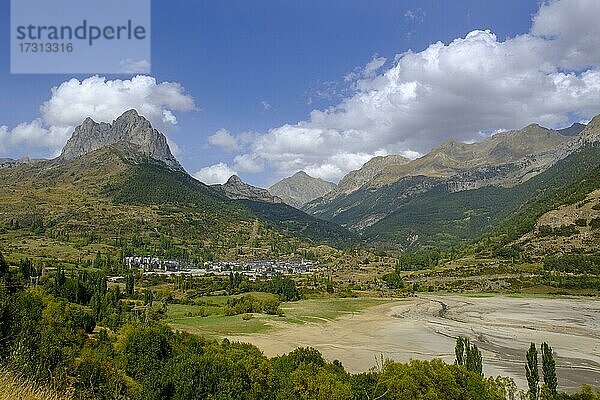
(187, 318)
(221, 325)
(13, 387)
(324, 310)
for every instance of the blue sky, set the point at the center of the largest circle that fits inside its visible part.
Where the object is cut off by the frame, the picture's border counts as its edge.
(255, 66)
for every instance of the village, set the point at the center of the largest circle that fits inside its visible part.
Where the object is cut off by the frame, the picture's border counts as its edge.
(150, 265)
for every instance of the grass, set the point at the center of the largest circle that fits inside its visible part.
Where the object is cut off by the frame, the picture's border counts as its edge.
(325, 310)
(221, 325)
(13, 387)
(299, 312)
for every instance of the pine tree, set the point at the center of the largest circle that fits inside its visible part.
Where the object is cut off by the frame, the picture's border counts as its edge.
(549, 369)
(532, 373)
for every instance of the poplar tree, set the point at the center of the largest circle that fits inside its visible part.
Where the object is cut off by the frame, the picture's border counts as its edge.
(549, 369)
(532, 373)
(459, 350)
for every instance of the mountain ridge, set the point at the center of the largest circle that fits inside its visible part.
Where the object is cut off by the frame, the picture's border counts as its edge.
(506, 159)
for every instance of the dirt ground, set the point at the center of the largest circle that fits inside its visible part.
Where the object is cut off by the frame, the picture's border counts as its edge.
(425, 327)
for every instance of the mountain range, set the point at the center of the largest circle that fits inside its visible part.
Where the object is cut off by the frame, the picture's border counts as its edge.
(390, 188)
(120, 183)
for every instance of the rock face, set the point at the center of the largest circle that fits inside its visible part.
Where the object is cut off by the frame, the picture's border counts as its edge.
(354, 180)
(301, 188)
(236, 189)
(453, 158)
(130, 133)
(591, 133)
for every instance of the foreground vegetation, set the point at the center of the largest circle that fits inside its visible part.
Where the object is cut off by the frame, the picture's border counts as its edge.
(91, 341)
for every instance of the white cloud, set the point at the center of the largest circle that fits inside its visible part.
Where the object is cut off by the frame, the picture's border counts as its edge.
(225, 140)
(248, 163)
(451, 91)
(368, 71)
(373, 66)
(101, 99)
(129, 66)
(28, 137)
(217, 173)
(104, 100)
(410, 154)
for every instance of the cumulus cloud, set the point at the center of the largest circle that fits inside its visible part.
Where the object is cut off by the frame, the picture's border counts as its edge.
(104, 100)
(473, 84)
(248, 163)
(101, 99)
(217, 173)
(225, 140)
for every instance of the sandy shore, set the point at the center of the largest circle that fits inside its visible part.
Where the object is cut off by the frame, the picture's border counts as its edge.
(426, 327)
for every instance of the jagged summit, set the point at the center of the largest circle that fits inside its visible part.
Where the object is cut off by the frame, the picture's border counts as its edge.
(131, 133)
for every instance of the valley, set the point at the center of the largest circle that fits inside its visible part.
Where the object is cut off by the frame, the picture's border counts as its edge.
(424, 327)
(486, 242)
(301, 200)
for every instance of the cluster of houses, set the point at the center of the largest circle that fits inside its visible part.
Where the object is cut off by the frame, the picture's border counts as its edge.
(149, 264)
(262, 268)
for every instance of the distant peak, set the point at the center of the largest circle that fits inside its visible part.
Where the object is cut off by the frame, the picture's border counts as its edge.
(573, 130)
(234, 179)
(301, 173)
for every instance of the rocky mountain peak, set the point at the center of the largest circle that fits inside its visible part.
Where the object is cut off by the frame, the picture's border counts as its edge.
(234, 180)
(130, 133)
(300, 189)
(237, 189)
(356, 179)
